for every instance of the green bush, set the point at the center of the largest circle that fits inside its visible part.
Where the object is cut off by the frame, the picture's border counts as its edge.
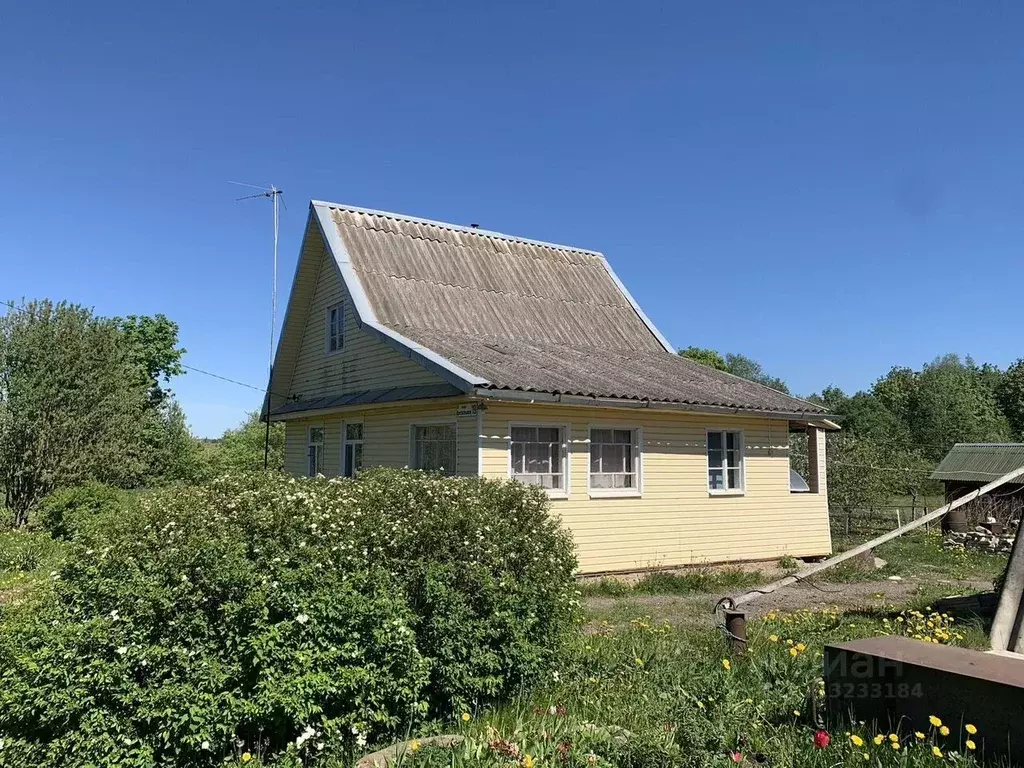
(66, 512)
(243, 613)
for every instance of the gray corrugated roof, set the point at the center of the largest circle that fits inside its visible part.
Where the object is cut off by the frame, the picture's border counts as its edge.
(370, 396)
(524, 315)
(979, 462)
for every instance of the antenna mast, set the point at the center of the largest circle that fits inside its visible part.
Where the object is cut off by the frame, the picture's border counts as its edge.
(275, 196)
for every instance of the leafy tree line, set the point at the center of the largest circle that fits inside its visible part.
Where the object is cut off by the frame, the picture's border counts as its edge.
(894, 433)
(84, 397)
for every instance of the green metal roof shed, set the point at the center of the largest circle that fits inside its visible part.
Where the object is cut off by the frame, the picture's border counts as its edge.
(979, 462)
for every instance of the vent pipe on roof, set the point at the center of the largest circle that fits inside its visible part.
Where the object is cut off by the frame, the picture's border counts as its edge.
(474, 226)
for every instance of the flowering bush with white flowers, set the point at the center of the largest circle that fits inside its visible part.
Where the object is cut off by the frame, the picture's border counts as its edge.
(282, 618)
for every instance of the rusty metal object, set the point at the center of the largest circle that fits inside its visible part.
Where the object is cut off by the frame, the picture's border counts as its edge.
(736, 629)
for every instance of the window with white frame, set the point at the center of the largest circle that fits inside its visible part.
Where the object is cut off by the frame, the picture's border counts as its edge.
(538, 456)
(352, 452)
(433, 447)
(335, 328)
(315, 453)
(725, 461)
(614, 460)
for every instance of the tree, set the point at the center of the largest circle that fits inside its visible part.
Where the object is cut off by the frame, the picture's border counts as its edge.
(856, 476)
(174, 455)
(242, 448)
(71, 403)
(708, 357)
(155, 351)
(1011, 397)
(953, 403)
(737, 365)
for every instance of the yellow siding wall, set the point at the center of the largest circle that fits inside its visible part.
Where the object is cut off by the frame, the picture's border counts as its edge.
(676, 521)
(385, 434)
(366, 362)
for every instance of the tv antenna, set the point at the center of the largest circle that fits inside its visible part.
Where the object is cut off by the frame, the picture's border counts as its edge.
(274, 194)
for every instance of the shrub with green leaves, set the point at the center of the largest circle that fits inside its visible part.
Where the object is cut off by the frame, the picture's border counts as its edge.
(279, 616)
(66, 512)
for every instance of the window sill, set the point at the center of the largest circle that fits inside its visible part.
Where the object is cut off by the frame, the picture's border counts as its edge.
(556, 494)
(727, 492)
(624, 493)
(336, 352)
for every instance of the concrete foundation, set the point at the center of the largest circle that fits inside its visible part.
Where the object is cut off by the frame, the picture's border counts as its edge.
(897, 683)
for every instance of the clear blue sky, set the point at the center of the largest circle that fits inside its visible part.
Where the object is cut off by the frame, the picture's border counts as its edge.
(831, 188)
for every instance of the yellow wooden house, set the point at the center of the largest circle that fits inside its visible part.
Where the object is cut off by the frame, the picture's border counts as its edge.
(415, 343)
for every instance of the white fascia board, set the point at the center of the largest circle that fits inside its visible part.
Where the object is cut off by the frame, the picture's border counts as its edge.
(366, 318)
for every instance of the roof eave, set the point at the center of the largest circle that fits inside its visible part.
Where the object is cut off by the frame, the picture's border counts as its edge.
(821, 420)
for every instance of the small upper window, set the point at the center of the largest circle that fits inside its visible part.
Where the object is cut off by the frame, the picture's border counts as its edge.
(316, 451)
(614, 461)
(335, 328)
(353, 453)
(539, 457)
(725, 461)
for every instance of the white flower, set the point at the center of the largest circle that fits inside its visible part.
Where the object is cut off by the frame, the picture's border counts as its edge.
(205, 745)
(556, 676)
(123, 650)
(361, 740)
(302, 618)
(115, 615)
(1, 743)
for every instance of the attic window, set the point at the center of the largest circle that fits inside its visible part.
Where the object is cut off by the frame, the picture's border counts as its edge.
(335, 328)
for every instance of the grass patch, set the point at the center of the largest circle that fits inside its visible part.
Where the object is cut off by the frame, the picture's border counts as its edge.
(686, 582)
(27, 557)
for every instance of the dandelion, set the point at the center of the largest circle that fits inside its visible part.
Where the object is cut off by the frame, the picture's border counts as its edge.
(639, 662)
(895, 745)
(796, 712)
(801, 647)
(794, 652)
(893, 737)
(936, 723)
(528, 761)
(919, 736)
(246, 757)
(878, 739)
(970, 745)
(726, 664)
(773, 638)
(944, 730)
(971, 729)
(936, 751)
(856, 740)
(414, 746)
(466, 717)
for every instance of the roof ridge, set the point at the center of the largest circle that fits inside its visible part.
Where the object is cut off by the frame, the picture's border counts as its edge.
(453, 227)
(624, 305)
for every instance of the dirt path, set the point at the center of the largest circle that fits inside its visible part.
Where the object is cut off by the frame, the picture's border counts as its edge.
(697, 609)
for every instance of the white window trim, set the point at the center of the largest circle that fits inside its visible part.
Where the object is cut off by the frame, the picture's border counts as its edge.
(344, 442)
(742, 490)
(433, 422)
(619, 493)
(553, 493)
(339, 305)
(323, 446)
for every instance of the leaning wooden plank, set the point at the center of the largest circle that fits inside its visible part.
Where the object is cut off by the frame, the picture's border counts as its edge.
(1005, 634)
(824, 565)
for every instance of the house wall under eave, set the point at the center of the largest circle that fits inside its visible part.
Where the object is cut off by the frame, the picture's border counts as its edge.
(366, 362)
(386, 436)
(676, 521)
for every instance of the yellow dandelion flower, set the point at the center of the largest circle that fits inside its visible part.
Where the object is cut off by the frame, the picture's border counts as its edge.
(246, 757)
(856, 740)
(878, 739)
(893, 737)
(971, 729)
(919, 736)
(466, 717)
(944, 730)
(796, 712)
(895, 745)
(789, 642)
(794, 652)
(934, 721)
(801, 647)
(528, 761)
(970, 745)
(773, 638)
(936, 751)
(414, 746)
(726, 664)
(639, 661)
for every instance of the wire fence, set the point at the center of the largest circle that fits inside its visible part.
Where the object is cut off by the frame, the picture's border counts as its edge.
(877, 520)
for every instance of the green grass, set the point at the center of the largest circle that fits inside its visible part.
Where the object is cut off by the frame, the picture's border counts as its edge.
(688, 582)
(27, 558)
